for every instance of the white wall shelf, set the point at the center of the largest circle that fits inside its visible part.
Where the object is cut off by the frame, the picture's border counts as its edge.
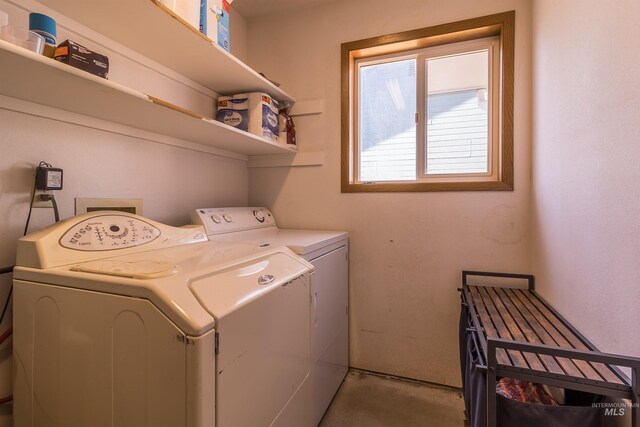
(151, 29)
(41, 80)
(316, 158)
(307, 108)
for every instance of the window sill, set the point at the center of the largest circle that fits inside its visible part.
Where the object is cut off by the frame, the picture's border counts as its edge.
(426, 187)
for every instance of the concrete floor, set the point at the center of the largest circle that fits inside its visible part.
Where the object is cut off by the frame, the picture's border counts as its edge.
(370, 400)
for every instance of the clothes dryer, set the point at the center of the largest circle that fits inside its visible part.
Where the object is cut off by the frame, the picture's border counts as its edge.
(120, 320)
(328, 251)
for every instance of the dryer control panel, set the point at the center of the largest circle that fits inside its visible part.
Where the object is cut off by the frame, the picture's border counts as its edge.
(231, 220)
(108, 232)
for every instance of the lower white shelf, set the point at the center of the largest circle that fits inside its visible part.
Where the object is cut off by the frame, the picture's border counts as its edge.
(35, 78)
(313, 158)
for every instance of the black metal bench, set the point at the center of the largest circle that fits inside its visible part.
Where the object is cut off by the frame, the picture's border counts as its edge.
(519, 335)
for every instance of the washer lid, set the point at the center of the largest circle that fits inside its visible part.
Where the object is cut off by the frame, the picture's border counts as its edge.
(229, 289)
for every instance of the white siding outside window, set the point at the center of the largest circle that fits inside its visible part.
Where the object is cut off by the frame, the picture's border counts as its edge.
(457, 128)
(398, 140)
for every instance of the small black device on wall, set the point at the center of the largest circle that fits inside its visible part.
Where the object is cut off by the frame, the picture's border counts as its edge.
(48, 178)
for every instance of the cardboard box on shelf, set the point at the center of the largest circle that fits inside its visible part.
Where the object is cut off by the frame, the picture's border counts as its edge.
(214, 21)
(80, 57)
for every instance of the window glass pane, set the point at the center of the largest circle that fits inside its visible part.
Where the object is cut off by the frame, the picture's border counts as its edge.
(457, 114)
(387, 143)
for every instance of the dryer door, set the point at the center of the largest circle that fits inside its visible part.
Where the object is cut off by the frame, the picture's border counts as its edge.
(264, 356)
(262, 311)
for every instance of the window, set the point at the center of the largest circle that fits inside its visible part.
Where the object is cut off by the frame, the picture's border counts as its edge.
(430, 109)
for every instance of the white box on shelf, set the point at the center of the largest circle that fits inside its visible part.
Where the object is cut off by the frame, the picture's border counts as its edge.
(214, 21)
(188, 10)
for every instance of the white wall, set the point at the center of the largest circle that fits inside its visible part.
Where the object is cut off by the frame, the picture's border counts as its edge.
(238, 35)
(586, 203)
(99, 160)
(407, 250)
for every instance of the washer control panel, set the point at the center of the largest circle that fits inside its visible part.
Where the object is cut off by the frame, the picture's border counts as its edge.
(90, 237)
(108, 232)
(227, 220)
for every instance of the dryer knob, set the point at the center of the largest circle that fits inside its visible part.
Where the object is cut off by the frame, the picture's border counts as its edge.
(259, 215)
(216, 218)
(227, 217)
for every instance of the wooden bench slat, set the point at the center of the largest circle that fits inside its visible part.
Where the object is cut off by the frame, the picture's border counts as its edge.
(558, 331)
(552, 336)
(487, 324)
(603, 370)
(515, 328)
(531, 329)
(503, 332)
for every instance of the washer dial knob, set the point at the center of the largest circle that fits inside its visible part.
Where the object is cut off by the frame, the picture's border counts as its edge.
(216, 218)
(227, 217)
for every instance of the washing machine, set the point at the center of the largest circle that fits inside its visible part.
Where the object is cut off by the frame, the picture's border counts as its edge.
(328, 251)
(123, 321)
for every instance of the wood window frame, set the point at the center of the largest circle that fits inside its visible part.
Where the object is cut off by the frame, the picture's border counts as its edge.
(501, 25)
